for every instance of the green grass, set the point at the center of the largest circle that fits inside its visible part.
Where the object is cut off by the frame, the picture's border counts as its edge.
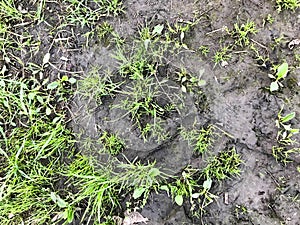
(96, 85)
(224, 165)
(200, 139)
(100, 189)
(287, 5)
(87, 13)
(242, 32)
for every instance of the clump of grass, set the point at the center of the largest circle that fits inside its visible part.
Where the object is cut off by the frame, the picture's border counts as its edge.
(111, 143)
(241, 33)
(100, 189)
(97, 85)
(222, 55)
(32, 140)
(200, 139)
(287, 5)
(286, 142)
(87, 13)
(224, 165)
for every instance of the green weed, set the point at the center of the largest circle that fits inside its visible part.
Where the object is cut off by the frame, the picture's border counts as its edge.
(224, 165)
(189, 82)
(287, 5)
(285, 139)
(200, 139)
(87, 13)
(282, 71)
(189, 186)
(222, 55)
(241, 33)
(111, 143)
(97, 85)
(100, 189)
(204, 50)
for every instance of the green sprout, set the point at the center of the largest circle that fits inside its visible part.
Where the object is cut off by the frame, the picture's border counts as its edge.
(282, 72)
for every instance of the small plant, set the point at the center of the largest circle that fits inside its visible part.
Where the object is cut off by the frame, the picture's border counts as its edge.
(85, 14)
(222, 55)
(111, 143)
(269, 19)
(104, 30)
(99, 189)
(287, 5)
(204, 50)
(285, 133)
(189, 82)
(189, 186)
(225, 164)
(200, 139)
(97, 85)
(176, 32)
(282, 72)
(241, 33)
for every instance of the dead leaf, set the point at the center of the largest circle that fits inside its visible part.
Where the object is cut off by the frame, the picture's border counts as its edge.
(133, 218)
(293, 43)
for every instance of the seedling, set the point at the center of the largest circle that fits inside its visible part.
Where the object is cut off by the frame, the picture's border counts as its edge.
(287, 5)
(222, 55)
(111, 143)
(224, 165)
(204, 50)
(281, 74)
(286, 131)
(189, 82)
(285, 139)
(241, 33)
(200, 139)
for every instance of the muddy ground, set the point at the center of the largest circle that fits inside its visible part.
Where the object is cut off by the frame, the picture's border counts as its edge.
(235, 99)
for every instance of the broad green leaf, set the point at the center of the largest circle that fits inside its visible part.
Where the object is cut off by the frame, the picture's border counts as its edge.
(207, 184)
(154, 172)
(48, 111)
(72, 80)
(201, 83)
(64, 78)
(138, 192)
(288, 117)
(52, 85)
(294, 131)
(158, 29)
(40, 99)
(31, 95)
(274, 86)
(179, 200)
(61, 203)
(282, 71)
(196, 195)
(164, 188)
(53, 197)
(46, 58)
